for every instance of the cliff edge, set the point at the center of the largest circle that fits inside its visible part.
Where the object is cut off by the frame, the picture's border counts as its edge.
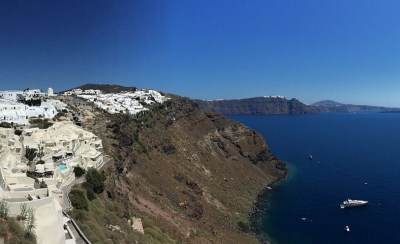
(192, 175)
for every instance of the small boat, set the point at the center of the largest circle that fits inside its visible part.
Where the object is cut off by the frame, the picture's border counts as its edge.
(352, 203)
(269, 188)
(347, 228)
(303, 218)
(310, 157)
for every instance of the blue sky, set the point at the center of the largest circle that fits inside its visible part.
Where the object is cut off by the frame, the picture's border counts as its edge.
(313, 50)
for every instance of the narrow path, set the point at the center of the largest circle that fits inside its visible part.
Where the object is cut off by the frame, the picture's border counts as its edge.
(80, 238)
(66, 189)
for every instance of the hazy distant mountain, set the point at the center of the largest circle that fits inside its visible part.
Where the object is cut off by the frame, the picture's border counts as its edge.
(257, 105)
(333, 106)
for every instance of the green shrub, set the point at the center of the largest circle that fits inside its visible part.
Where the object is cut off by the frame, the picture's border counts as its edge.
(79, 171)
(43, 184)
(95, 180)
(32, 102)
(18, 132)
(79, 215)
(12, 232)
(78, 199)
(157, 236)
(3, 229)
(169, 149)
(41, 123)
(33, 175)
(15, 228)
(59, 115)
(243, 226)
(90, 194)
(5, 125)
(30, 153)
(4, 208)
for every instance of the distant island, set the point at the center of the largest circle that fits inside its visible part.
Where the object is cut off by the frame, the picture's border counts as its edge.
(257, 105)
(281, 105)
(333, 106)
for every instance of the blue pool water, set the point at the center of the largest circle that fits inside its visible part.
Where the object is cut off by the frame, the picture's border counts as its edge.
(62, 167)
(349, 150)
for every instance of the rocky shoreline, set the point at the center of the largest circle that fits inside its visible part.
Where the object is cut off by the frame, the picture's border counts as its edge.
(258, 207)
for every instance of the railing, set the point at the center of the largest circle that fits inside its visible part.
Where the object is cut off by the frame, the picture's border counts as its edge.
(69, 200)
(77, 228)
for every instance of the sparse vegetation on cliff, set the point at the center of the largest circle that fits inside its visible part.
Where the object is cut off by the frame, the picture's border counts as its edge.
(193, 175)
(40, 123)
(78, 199)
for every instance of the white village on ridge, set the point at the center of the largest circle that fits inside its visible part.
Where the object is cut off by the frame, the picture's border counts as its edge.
(40, 147)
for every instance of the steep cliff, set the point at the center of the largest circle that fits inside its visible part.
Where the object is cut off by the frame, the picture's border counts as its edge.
(256, 105)
(192, 174)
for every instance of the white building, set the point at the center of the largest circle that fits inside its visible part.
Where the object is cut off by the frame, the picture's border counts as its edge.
(19, 113)
(91, 92)
(14, 95)
(64, 146)
(50, 92)
(125, 102)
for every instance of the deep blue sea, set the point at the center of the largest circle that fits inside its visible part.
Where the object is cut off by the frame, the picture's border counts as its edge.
(349, 150)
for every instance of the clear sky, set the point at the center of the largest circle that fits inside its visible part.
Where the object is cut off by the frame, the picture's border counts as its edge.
(345, 50)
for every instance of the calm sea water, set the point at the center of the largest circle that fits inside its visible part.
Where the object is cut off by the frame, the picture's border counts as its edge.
(349, 150)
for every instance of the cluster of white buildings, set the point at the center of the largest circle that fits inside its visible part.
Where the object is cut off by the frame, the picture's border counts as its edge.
(16, 112)
(84, 92)
(15, 95)
(125, 102)
(63, 146)
(276, 96)
(59, 149)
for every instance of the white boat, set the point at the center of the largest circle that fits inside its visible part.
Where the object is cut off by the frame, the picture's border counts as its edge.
(352, 203)
(310, 157)
(347, 228)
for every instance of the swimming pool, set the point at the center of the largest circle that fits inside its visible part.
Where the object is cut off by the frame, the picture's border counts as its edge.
(62, 167)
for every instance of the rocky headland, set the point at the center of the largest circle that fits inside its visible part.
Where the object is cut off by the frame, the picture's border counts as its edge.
(191, 175)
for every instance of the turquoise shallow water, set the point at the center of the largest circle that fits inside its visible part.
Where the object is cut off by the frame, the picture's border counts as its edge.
(349, 150)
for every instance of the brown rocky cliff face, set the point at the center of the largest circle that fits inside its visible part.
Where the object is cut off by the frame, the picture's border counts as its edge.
(194, 174)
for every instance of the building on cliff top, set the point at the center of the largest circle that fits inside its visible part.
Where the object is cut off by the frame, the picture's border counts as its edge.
(15, 109)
